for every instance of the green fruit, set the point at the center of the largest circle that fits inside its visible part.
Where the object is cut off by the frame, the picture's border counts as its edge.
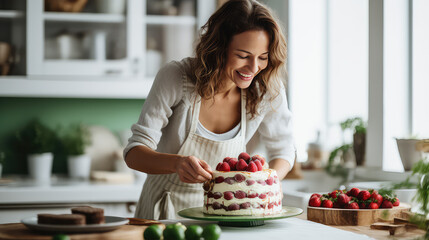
(153, 232)
(211, 232)
(193, 232)
(60, 237)
(174, 232)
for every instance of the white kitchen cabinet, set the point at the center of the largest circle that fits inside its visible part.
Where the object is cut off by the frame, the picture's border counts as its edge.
(109, 57)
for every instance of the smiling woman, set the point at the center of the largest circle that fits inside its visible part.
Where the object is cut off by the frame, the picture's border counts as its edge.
(203, 109)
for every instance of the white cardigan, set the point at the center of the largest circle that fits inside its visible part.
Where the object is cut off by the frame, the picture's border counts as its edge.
(165, 119)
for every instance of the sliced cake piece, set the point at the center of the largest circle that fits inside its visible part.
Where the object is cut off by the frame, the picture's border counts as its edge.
(93, 215)
(61, 219)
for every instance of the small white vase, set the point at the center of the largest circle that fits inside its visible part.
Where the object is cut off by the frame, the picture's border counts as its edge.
(408, 152)
(79, 166)
(40, 166)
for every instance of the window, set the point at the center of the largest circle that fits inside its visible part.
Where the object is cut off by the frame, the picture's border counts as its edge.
(328, 68)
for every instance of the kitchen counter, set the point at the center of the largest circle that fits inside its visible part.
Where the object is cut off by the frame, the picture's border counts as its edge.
(288, 228)
(65, 190)
(21, 197)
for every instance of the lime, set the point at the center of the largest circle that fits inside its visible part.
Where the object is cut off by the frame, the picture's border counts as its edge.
(174, 232)
(211, 232)
(153, 232)
(193, 232)
(60, 237)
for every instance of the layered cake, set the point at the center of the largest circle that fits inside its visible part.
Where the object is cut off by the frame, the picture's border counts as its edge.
(243, 186)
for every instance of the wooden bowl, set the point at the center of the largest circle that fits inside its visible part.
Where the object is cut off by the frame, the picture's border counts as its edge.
(354, 217)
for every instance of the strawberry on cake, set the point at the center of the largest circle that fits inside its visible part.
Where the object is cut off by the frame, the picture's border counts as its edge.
(243, 186)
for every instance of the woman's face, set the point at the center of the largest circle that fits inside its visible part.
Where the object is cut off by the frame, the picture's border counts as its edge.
(247, 56)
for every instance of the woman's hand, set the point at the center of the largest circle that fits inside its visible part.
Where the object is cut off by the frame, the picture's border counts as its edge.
(193, 170)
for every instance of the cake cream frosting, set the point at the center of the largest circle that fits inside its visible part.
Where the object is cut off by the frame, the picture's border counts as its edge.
(243, 193)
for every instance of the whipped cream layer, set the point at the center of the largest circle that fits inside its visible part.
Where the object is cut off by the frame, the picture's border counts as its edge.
(243, 193)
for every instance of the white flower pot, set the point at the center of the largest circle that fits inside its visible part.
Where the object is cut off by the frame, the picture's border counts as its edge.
(79, 166)
(408, 152)
(40, 166)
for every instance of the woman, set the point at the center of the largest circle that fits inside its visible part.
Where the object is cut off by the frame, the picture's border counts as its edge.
(201, 110)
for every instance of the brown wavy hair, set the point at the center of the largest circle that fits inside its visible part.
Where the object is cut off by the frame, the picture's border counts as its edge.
(235, 17)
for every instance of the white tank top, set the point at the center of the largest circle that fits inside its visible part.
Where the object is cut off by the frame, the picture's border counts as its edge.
(203, 132)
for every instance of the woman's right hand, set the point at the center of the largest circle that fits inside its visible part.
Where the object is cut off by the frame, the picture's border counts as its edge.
(193, 170)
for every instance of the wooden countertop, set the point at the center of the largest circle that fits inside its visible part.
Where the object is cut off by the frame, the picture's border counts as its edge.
(376, 234)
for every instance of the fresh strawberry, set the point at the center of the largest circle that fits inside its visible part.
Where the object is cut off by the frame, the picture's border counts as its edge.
(334, 194)
(241, 165)
(223, 167)
(260, 158)
(245, 156)
(377, 198)
(396, 202)
(386, 204)
(343, 199)
(336, 205)
(269, 180)
(218, 166)
(226, 159)
(327, 203)
(353, 192)
(364, 195)
(363, 205)
(258, 164)
(373, 205)
(239, 178)
(233, 163)
(352, 205)
(252, 167)
(316, 195)
(314, 202)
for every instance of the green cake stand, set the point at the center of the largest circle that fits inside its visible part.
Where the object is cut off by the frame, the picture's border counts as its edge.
(238, 221)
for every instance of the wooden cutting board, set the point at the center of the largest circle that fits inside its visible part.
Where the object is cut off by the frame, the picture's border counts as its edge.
(354, 217)
(18, 231)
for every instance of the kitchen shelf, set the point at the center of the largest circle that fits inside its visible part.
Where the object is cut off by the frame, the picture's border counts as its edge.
(84, 17)
(75, 87)
(10, 14)
(170, 20)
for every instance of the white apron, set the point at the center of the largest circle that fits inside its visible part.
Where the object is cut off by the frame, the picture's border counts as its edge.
(163, 195)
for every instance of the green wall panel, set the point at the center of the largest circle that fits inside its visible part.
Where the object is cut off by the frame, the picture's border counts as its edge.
(114, 114)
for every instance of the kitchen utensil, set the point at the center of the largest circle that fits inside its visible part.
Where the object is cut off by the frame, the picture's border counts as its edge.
(238, 221)
(111, 224)
(69, 46)
(354, 217)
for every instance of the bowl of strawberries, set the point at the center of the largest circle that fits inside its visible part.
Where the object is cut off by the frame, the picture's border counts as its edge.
(354, 207)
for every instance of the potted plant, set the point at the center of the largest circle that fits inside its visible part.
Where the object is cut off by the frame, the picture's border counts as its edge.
(418, 180)
(357, 125)
(74, 140)
(38, 142)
